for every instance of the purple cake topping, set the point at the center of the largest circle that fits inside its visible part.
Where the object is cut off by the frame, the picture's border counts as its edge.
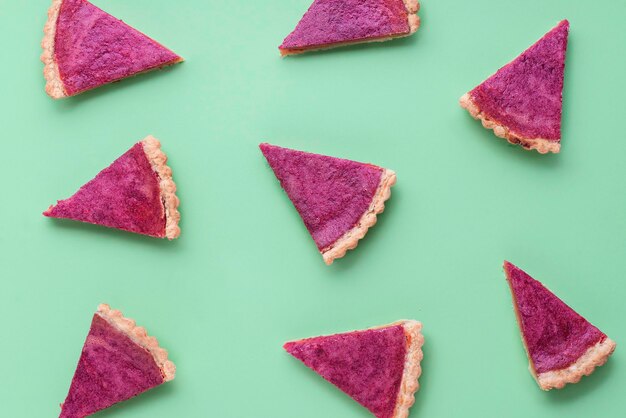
(93, 48)
(367, 365)
(111, 369)
(126, 195)
(335, 21)
(331, 194)
(555, 335)
(526, 94)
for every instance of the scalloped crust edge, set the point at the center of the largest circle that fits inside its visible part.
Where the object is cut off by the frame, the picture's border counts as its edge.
(54, 85)
(594, 357)
(412, 7)
(158, 161)
(412, 368)
(542, 145)
(350, 239)
(139, 336)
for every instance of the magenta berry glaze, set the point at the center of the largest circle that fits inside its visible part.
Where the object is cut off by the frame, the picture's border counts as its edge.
(526, 94)
(93, 48)
(367, 365)
(331, 194)
(556, 336)
(334, 21)
(126, 195)
(111, 369)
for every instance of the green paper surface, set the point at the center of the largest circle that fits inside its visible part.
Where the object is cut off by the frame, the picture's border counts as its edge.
(245, 276)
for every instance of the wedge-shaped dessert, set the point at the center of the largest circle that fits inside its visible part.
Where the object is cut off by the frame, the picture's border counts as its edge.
(85, 47)
(522, 101)
(337, 199)
(119, 361)
(333, 23)
(562, 346)
(377, 367)
(135, 193)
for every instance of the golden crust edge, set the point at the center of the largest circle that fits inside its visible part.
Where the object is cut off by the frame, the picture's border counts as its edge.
(542, 145)
(412, 368)
(158, 161)
(350, 239)
(139, 336)
(412, 7)
(594, 357)
(54, 84)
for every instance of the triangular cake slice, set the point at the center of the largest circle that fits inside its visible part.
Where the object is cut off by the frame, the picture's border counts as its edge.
(119, 361)
(337, 199)
(333, 23)
(562, 346)
(135, 193)
(85, 47)
(522, 101)
(377, 367)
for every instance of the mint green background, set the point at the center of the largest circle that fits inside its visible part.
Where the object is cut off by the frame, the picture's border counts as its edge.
(245, 276)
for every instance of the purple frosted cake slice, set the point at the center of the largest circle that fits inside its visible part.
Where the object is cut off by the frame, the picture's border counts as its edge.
(135, 193)
(522, 101)
(377, 367)
(562, 346)
(333, 23)
(337, 199)
(85, 47)
(119, 361)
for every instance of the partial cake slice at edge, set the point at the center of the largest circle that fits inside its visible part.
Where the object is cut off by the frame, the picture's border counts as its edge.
(543, 146)
(413, 20)
(140, 364)
(350, 239)
(140, 337)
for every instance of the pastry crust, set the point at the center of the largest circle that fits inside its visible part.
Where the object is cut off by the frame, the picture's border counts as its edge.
(412, 368)
(412, 7)
(140, 337)
(54, 85)
(594, 357)
(158, 161)
(350, 239)
(542, 145)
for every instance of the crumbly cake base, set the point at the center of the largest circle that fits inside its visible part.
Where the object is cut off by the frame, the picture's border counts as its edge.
(412, 368)
(158, 161)
(594, 357)
(54, 85)
(542, 145)
(139, 336)
(412, 7)
(350, 239)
